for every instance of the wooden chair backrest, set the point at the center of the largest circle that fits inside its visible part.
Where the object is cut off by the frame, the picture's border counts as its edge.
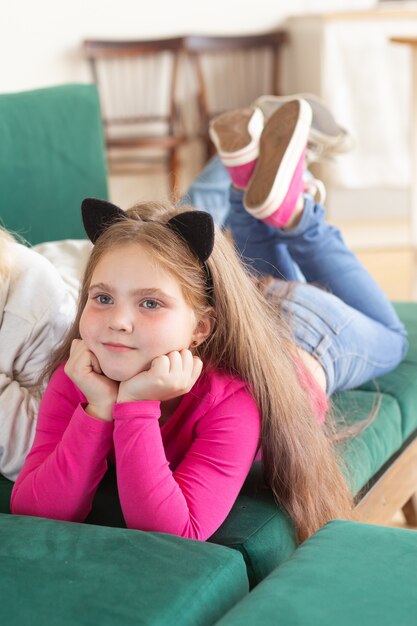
(137, 81)
(233, 71)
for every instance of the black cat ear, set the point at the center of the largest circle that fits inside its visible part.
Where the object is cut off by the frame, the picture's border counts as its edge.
(98, 215)
(197, 229)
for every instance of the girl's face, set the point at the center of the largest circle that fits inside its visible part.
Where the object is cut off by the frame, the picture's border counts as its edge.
(135, 312)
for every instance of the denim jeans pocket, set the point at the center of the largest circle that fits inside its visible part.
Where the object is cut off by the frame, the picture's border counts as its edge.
(318, 308)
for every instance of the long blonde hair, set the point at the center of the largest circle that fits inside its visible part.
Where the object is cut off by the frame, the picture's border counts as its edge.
(251, 341)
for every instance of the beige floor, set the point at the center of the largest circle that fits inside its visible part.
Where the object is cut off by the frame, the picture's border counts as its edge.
(384, 249)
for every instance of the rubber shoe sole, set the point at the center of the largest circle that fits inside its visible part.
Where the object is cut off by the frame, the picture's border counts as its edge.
(236, 137)
(278, 175)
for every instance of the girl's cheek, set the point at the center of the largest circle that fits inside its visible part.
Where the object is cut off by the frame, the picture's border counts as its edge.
(86, 325)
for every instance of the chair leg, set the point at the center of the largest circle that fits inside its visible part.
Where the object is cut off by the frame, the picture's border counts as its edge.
(410, 510)
(174, 171)
(211, 149)
(208, 148)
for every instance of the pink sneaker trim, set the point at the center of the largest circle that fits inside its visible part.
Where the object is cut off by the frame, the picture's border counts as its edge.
(241, 174)
(289, 173)
(282, 215)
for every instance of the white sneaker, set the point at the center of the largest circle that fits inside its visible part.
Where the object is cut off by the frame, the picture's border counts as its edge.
(326, 137)
(277, 182)
(236, 137)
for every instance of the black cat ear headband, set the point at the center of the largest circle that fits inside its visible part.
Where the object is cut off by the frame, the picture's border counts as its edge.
(196, 228)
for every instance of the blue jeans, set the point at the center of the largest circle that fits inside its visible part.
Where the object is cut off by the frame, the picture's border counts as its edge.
(349, 325)
(209, 191)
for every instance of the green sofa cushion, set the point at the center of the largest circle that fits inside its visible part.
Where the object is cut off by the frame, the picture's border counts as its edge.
(362, 456)
(347, 574)
(75, 574)
(401, 383)
(52, 156)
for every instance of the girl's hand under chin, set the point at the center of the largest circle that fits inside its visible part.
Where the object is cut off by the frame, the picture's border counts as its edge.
(170, 375)
(84, 370)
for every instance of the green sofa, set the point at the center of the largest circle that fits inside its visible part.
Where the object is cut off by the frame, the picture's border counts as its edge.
(60, 163)
(63, 574)
(51, 157)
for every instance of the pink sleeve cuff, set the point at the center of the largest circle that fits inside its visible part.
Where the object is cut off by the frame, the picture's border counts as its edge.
(150, 409)
(85, 420)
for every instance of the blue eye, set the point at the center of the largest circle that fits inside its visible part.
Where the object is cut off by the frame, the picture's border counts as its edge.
(150, 304)
(102, 299)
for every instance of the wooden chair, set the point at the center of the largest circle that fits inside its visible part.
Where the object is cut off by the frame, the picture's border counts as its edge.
(137, 83)
(232, 71)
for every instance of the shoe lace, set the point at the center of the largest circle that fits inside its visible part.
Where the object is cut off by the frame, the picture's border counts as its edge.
(319, 152)
(315, 187)
(322, 151)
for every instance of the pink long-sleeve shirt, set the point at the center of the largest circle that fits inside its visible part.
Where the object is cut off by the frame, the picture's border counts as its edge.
(181, 478)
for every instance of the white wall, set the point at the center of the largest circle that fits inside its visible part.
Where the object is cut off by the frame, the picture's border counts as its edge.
(40, 40)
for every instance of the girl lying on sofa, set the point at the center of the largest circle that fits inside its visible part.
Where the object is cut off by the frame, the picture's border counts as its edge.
(179, 370)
